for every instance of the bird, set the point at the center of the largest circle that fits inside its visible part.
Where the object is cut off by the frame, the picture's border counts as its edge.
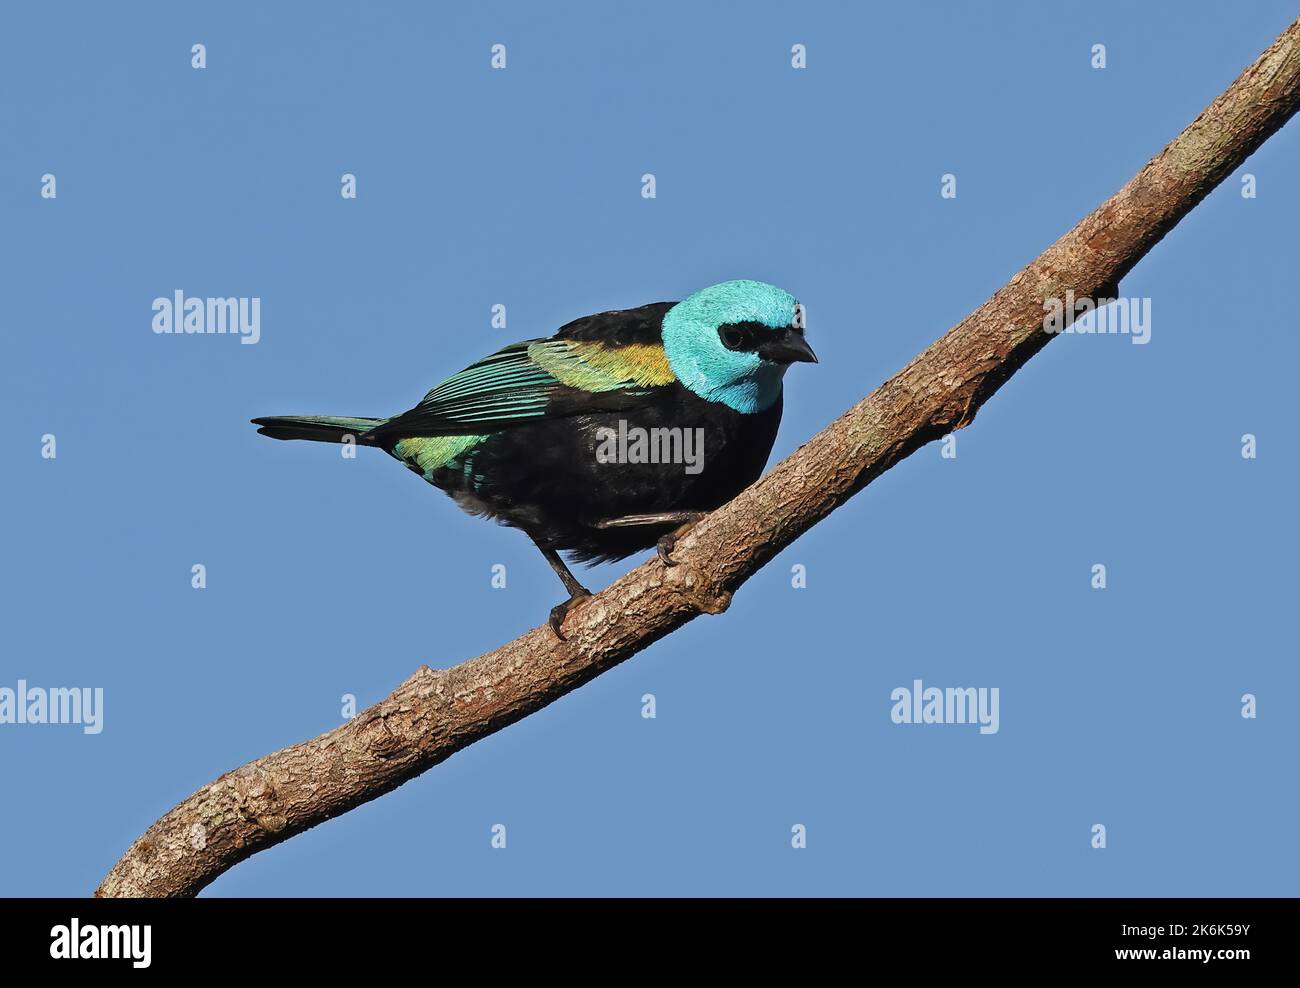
(610, 437)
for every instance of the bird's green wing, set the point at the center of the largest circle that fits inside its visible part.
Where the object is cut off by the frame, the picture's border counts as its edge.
(532, 380)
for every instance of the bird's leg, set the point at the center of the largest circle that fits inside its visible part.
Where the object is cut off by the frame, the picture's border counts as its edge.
(576, 590)
(664, 547)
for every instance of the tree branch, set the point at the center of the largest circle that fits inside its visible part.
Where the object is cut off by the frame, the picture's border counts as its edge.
(435, 713)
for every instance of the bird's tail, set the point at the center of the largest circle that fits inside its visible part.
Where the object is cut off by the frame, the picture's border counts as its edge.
(318, 428)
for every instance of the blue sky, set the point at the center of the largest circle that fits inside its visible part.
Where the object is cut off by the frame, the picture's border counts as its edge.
(522, 187)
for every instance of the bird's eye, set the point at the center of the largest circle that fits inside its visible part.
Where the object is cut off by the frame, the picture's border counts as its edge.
(732, 338)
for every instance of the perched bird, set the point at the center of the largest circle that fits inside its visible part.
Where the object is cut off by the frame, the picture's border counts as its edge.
(573, 438)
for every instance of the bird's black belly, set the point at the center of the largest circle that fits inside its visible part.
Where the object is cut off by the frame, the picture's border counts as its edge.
(557, 478)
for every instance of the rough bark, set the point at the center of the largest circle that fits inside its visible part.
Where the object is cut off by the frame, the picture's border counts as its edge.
(435, 713)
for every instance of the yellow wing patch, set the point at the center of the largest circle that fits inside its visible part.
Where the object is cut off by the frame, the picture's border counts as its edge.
(594, 366)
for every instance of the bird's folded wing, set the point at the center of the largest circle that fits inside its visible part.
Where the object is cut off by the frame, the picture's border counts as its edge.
(535, 379)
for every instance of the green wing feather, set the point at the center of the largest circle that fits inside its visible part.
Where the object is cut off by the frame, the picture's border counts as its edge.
(532, 380)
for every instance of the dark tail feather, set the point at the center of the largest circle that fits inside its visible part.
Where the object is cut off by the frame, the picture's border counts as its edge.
(318, 428)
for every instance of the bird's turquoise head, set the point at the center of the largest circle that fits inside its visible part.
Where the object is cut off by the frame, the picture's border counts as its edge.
(733, 342)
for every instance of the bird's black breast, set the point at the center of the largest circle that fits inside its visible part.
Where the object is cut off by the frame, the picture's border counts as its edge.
(557, 477)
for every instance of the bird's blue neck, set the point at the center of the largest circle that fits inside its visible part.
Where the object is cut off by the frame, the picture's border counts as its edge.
(748, 395)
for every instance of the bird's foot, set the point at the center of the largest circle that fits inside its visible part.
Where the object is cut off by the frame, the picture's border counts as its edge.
(560, 611)
(664, 547)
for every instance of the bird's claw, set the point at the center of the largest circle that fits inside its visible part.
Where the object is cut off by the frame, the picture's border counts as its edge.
(560, 611)
(667, 543)
(664, 548)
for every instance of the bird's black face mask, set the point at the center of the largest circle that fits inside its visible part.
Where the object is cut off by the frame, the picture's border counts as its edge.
(776, 346)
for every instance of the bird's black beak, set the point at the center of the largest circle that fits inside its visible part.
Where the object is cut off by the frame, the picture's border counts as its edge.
(787, 347)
